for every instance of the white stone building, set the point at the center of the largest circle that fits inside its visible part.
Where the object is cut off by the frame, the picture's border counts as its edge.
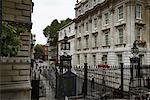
(106, 29)
(69, 31)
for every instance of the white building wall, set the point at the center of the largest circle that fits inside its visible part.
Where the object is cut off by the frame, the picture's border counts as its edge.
(69, 31)
(127, 23)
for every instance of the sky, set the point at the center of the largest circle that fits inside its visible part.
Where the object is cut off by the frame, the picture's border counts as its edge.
(45, 11)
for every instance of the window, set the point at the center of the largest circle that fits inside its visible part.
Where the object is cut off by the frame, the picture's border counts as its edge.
(95, 22)
(138, 34)
(120, 13)
(78, 59)
(86, 41)
(87, 27)
(95, 40)
(106, 18)
(69, 29)
(106, 39)
(119, 58)
(104, 59)
(79, 43)
(120, 35)
(79, 29)
(94, 1)
(138, 11)
(94, 60)
(85, 58)
(65, 32)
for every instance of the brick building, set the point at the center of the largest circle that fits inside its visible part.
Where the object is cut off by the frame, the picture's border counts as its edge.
(15, 82)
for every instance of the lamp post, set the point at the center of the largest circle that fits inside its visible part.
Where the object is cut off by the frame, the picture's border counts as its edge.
(65, 60)
(135, 70)
(135, 49)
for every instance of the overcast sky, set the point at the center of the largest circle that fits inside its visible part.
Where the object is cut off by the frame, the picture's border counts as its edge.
(45, 11)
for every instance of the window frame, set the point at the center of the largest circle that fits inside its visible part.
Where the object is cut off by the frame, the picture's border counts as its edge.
(139, 15)
(106, 18)
(86, 41)
(104, 59)
(138, 33)
(106, 38)
(79, 43)
(121, 36)
(95, 22)
(94, 59)
(120, 13)
(95, 40)
(87, 27)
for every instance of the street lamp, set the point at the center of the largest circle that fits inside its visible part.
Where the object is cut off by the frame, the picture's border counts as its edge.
(65, 60)
(65, 43)
(135, 49)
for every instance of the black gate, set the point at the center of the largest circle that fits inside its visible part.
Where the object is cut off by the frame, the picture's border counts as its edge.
(35, 90)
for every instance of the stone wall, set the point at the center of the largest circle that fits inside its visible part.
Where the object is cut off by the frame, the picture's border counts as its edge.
(17, 10)
(15, 71)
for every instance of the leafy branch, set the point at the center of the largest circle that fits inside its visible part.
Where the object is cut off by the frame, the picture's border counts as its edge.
(10, 39)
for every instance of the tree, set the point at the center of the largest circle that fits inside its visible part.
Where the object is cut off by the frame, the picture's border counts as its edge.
(39, 52)
(10, 41)
(52, 29)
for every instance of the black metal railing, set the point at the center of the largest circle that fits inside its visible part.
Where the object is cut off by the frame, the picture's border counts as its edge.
(113, 81)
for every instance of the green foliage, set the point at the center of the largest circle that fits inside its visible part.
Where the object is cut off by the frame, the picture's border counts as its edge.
(52, 29)
(10, 40)
(39, 52)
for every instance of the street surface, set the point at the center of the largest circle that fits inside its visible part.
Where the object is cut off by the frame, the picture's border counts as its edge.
(47, 92)
(50, 95)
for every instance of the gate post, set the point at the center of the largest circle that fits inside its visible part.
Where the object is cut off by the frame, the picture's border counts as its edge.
(121, 80)
(85, 80)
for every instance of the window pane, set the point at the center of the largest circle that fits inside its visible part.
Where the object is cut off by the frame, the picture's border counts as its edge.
(95, 22)
(120, 35)
(138, 11)
(138, 34)
(94, 59)
(86, 42)
(95, 40)
(86, 26)
(106, 18)
(106, 39)
(120, 12)
(104, 59)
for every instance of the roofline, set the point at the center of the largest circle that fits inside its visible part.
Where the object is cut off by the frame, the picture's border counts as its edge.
(66, 25)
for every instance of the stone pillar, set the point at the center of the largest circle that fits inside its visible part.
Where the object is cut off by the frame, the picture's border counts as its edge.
(15, 81)
(130, 6)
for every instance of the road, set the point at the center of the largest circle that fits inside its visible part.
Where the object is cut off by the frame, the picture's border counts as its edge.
(46, 91)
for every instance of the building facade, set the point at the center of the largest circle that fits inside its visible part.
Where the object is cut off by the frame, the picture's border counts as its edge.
(67, 30)
(15, 81)
(106, 29)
